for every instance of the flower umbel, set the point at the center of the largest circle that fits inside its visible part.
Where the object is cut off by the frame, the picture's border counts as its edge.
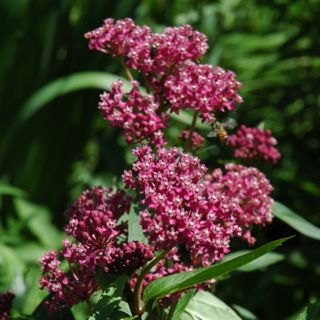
(250, 190)
(94, 225)
(135, 113)
(254, 143)
(179, 210)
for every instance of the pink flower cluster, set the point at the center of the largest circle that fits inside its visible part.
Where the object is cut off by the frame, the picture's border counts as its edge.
(179, 209)
(196, 139)
(146, 51)
(93, 224)
(254, 143)
(169, 64)
(135, 113)
(250, 190)
(5, 304)
(203, 88)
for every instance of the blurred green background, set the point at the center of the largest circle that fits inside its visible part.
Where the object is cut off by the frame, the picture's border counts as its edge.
(49, 154)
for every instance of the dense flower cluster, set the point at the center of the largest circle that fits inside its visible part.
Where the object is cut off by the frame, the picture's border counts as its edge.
(136, 114)
(5, 305)
(93, 224)
(175, 46)
(146, 51)
(122, 38)
(188, 214)
(254, 143)
(203, 88)
(179, 209)
(196, 139)
(250, 190)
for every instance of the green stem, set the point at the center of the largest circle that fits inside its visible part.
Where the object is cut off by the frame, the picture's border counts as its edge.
(137, 306)
(187, 145)
(172, 309)
(126, 70)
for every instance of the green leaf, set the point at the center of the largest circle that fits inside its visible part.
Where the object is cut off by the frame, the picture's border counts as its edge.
(59, 87)
(205, 306)
(135, 232)
(111, 306)
(244, 313)
(182, 304)
(38, 222)
(10, 267)
(178, 282)
(311, 312)
(295, 221)
(8, 190)
(263, 262)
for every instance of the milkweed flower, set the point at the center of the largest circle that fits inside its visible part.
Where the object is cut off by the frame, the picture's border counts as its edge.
(93, 223)
(254, 143)
(178, 210)
(134, 113)
(144, 50)
(250, 190)
(123, 38)
(204, 88)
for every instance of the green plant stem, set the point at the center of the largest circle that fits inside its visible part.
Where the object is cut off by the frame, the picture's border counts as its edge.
(172, 309)
(126, 70)
(187, 145)
(146, 83)
(137, 305)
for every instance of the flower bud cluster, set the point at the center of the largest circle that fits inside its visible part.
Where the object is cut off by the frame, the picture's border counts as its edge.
(6, 305)
(135, 113)
(254, 143)
(250, 190)
(196, 139)
(179, 210)
(94, 225)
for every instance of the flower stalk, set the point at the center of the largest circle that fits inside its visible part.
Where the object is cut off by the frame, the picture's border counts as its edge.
(138, 307)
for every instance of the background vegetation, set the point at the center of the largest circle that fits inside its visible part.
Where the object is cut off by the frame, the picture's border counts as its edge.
(53, 143)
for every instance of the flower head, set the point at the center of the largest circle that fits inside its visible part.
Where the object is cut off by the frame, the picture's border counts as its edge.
(254, 143)
(178, 208)
(145, 51)
(95, 228)
(135, 113)
(122, 38)
(175, 46)
(250, 190)
(203, 88)
(93, 217)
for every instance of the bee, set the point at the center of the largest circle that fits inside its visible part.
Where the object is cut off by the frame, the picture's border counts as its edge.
(219, 129)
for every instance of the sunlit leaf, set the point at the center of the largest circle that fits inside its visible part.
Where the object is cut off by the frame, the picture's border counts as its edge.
(261, 263)
(205, 306)
(38, 221)
(295, 221)
(178, 282)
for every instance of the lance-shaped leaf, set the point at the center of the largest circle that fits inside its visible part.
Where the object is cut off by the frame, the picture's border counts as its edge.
(181, 281)
(295, 221)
